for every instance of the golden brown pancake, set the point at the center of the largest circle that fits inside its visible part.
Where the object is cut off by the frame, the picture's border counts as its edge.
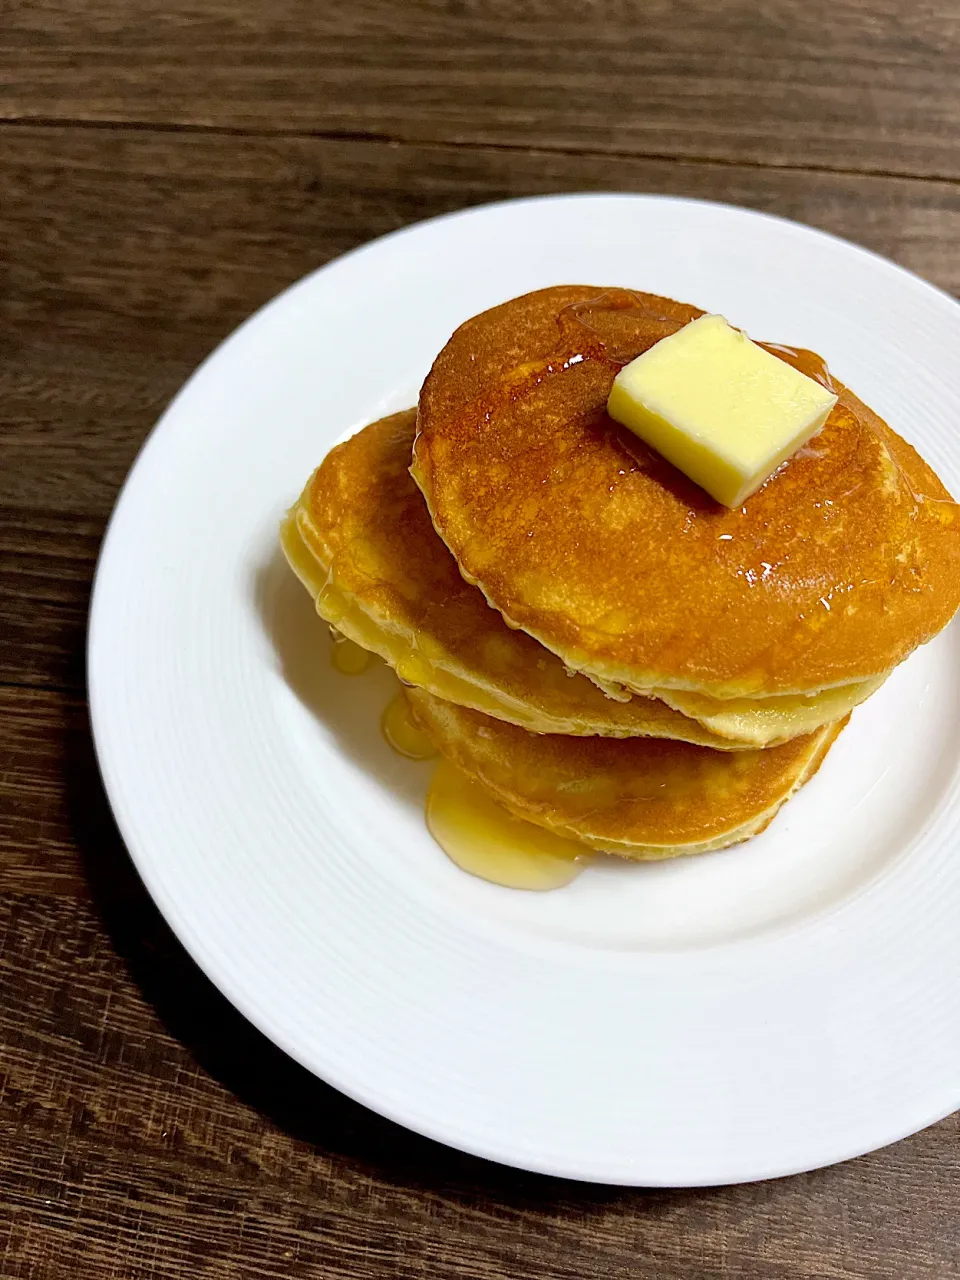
(361, 541)
(762, 722)
(642, 798)
(831, 574)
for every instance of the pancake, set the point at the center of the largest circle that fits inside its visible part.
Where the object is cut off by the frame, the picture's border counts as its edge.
(361, 541)
(845, 561)
(638, 797)
(763, 722)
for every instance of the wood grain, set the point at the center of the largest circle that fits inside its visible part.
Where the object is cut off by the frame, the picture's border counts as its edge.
(860, 85)
(157, 1134)
(136, 252)
(48, 561)
(147, 1130)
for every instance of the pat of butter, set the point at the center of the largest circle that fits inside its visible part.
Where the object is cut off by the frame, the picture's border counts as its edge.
(720, 408)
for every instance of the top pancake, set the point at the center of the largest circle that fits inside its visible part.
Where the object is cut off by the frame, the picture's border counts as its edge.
(831, 574)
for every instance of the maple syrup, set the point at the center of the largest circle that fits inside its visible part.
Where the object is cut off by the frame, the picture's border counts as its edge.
(476, 833)
(805, 361)
(401, 733)
(482, 838)
(350, 659)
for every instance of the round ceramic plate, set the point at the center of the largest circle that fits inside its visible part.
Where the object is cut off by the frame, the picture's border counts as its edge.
(782, 1005)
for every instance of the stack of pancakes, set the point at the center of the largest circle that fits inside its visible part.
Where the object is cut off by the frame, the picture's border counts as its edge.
(584, 631)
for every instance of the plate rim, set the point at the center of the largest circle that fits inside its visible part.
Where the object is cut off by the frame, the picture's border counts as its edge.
(146, 867)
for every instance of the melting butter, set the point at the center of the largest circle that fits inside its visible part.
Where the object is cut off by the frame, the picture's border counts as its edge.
(401, 733)
(483, 839)
(349, 658)
(724, 410)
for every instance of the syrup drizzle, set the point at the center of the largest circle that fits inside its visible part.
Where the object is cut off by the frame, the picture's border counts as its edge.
(476, 833)
(483, 839)
(350, 659)
(403, 734)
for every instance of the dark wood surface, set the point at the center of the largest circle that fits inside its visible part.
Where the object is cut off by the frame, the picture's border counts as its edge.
(165, 169)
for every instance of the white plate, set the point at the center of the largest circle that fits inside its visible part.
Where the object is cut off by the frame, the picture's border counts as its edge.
(776, 1007)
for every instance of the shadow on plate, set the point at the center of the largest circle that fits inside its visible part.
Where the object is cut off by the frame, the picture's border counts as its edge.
(191, 1008)
(244, 1061)
(349, 707)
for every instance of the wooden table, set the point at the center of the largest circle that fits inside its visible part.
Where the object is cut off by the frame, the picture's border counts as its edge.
(165, 169)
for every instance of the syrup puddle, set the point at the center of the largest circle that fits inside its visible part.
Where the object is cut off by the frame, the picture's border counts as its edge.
(350, 659)
(480, 836)
(476, 833)
(400, 732)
